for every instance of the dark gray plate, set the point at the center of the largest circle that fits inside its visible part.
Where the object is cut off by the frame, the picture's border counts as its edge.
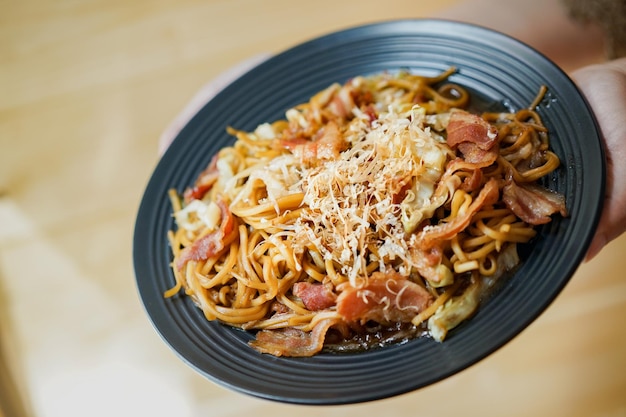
(501, 72)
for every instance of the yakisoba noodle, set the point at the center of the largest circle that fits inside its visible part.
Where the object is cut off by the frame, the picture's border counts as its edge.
(379, 210)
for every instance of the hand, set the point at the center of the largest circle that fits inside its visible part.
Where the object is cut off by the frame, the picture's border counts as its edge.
(604, 86)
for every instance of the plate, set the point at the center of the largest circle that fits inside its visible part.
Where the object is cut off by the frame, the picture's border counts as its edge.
(502, 72)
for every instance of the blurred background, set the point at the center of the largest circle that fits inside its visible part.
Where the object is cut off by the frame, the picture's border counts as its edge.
(87, 90)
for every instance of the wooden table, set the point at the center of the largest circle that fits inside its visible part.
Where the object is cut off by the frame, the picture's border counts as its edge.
(86, 89)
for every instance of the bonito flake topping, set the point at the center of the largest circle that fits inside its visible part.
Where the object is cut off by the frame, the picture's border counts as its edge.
(363, 205)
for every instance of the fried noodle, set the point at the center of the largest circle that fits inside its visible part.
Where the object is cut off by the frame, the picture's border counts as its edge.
(379, 203)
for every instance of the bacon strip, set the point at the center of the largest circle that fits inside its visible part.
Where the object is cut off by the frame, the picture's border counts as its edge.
(291, 341)
(467, 127)
(430, 235)
(386, 298)
(533, 203)
(475, 137)
(327, 147)
(315, 297)
(474, 154)
(428, 264)
(213, 243)
(450, 181)
(342, 103)
(204, 183)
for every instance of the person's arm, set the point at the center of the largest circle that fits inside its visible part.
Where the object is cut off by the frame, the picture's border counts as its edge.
(604, 86)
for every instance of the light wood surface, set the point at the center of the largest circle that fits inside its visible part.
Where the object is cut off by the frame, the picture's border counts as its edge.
(86, 89)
